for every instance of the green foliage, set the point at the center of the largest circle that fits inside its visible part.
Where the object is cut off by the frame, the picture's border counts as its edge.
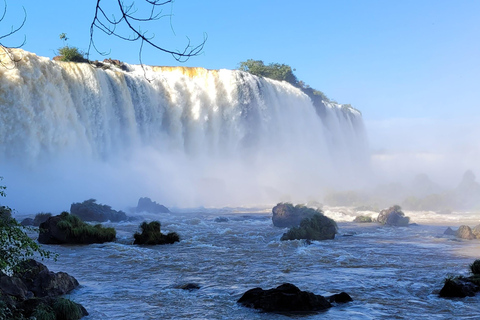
(83, 232)
(15, 245)
(66, 309)
(318, 227)
(151, 235)
(72, 54)
(44, 312)
(363, 219)
(475, 267)
(276, 71)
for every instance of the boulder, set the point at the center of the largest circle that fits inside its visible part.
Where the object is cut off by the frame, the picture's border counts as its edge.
(460, 287)
(189, 286)
(27, 222)
(147, 205)
(450, 232)
(89, 210)
(285, 298)
(476, 231)
(464, 232)
(363, 219)
(44, 283)
(285, 215)
(317, 227)
(393, 216)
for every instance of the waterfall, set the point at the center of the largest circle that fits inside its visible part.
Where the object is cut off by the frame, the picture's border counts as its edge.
(183, 136)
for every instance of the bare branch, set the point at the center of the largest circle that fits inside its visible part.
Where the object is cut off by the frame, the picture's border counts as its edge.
(127, 17)
(11, 60)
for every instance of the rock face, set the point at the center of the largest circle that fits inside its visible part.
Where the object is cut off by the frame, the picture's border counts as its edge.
(285, 215)
(286, 298)
(393, 216)
(89, 210)
(317, 227)
(147, 205)
(464, 232)
(460, 287)
(35, 286)
(65, 229)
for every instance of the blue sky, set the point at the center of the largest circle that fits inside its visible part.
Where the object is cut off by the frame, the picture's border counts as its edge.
(410, 65)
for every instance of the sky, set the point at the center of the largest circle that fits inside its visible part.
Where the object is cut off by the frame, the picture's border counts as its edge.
(411, 67)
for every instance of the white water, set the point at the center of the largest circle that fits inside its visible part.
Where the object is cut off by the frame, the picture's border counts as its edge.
(182, 136)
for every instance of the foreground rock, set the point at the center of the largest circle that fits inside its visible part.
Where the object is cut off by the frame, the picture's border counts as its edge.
(35, 290)
(285, 215)
(151, 235)
(393, 216)
(317, 227)
(461, 287)
(70, 229)
(288, 298)
(89, 210)
(147, 205)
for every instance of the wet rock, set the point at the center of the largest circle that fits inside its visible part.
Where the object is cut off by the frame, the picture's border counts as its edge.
(285, 215)
(341, 297)
(363, 219)
(459, 288)
(89, 210)
(285, 298)
(147, 205)
(221, 219)
(393, 216)
(189, 286)
(151, 235)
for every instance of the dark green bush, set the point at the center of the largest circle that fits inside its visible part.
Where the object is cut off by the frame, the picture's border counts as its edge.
(44, 312)
(41, 217)
(66, 309)
(71, 54)
(475, 267)
(83, 232)
(151, 235)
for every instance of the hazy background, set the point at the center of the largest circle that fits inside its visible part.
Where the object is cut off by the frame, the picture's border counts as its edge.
(411, 67)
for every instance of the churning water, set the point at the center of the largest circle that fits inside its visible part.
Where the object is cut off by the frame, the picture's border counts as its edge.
(391, 273)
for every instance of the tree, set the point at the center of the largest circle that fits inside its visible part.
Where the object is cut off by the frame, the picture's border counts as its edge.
(123, 24)
(13, 30)
(276, 71)
(15, 245)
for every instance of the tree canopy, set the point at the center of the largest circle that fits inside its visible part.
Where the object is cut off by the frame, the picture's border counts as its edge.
(276, 71)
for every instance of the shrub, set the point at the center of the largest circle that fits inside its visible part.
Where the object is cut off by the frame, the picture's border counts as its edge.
(66, 309)
(83, 232)
(44, 312)
(41, 217)
(151, 235)
(475, 267)
(71, 54)
(318, 227)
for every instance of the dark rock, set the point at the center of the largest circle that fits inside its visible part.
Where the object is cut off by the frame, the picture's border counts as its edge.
(116, 63)
(450, 232)
(341, 297)
(464, 232)
(459, 288)
(27, 222)
(393, 216)
(89, 210)
(285, 298)
(221, 219)
(151, 235)
(285, 215)
(189, 286)
(317, 227)
(42, 282)
(147, 205)
(13, 286)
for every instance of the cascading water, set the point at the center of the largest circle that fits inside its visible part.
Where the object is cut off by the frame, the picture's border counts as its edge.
(183, 136)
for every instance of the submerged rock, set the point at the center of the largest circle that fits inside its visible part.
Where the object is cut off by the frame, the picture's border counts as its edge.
(147, 205)
(317, 227)
(89, 210)
(393, 216)
(285, 215)
(286, 298)
(460, 287)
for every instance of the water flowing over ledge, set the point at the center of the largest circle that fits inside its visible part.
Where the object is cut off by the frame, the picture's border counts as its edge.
(186, 136)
